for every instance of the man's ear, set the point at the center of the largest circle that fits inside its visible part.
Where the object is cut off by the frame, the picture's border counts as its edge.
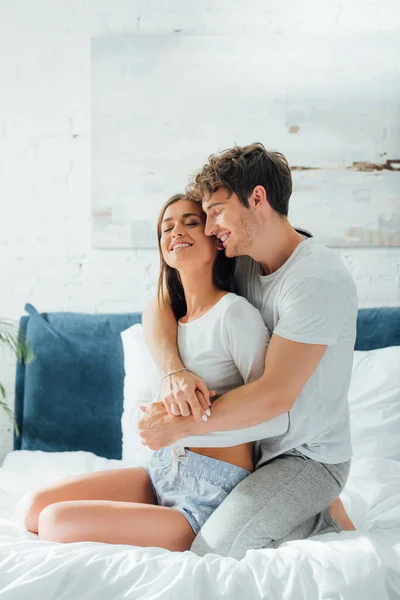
(258, 197)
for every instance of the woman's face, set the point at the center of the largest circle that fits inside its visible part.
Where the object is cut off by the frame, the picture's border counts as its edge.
(183, 241)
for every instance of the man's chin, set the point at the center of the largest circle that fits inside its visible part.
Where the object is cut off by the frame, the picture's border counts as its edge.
(232, 252)
(229, 251)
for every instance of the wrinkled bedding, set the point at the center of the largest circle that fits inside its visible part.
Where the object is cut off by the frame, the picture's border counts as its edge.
(361, 565)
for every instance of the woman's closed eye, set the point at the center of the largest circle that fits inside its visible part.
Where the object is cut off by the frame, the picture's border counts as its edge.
(192, 224)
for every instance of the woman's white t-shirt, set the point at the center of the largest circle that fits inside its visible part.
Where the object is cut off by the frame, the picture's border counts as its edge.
(226, 347)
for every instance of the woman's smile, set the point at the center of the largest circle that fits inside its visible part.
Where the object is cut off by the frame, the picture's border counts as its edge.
(178, 246)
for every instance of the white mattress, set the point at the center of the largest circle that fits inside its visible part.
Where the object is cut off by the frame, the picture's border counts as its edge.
(361, 565)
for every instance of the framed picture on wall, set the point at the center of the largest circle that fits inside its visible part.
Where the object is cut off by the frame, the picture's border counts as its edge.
(161, 104)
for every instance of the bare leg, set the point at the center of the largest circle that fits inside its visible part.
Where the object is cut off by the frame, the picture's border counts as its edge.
(116, 523)
(340, 516)
(123, 485)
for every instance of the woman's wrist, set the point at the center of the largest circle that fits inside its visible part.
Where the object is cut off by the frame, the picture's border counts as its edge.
(187, 426)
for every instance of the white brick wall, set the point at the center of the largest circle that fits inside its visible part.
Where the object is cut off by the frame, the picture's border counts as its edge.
(46, 256)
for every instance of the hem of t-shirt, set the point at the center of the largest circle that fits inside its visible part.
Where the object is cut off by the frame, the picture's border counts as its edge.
(329, 459)
(313, 339)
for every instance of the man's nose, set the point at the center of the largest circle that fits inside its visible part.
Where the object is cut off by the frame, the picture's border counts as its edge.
(210, 227)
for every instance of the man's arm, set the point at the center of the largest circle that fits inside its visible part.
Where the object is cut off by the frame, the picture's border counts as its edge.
(313, 312)
(181, 390)
(288, 366)
(160, 332)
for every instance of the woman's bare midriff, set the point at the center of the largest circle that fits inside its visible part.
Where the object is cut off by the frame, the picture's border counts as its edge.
(241, 456)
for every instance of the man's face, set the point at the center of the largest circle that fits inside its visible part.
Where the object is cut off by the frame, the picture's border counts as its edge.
(233, 224)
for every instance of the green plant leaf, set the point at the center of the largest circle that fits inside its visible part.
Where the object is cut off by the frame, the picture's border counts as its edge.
(11, 337)
(9, 412)
(15, 341)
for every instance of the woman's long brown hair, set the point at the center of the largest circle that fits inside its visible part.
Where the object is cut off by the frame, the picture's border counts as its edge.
(170, 288)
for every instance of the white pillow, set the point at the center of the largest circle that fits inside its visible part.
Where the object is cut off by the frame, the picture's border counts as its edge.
(140, 387)
(374, 399)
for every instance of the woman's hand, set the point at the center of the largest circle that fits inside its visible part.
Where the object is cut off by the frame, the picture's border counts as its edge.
(184, 393)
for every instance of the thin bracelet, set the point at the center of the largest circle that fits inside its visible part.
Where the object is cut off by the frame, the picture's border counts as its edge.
(172, 372)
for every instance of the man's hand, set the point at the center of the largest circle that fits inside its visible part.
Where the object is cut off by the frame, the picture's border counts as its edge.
(157, 428)
(185, 394)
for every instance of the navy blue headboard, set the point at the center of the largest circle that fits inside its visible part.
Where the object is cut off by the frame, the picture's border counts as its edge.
(70, 397)
(378, 328)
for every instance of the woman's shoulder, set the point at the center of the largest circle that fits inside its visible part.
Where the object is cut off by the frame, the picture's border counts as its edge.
(239, 306)
(243, 323)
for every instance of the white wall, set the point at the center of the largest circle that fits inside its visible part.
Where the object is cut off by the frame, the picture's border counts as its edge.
(46, 256)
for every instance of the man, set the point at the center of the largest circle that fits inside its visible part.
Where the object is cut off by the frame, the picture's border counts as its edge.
(308, 300)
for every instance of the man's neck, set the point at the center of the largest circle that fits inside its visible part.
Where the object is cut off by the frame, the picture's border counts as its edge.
(278, 247)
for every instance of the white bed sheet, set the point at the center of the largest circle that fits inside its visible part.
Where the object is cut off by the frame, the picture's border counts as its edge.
(361, 565)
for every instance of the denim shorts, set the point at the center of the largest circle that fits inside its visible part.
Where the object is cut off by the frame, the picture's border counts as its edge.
(192, 483)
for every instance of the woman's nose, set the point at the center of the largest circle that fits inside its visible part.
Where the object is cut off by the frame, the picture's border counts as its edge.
(176, 232)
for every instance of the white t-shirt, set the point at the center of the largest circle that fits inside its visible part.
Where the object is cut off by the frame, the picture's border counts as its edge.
(311, 299)
(226, 347)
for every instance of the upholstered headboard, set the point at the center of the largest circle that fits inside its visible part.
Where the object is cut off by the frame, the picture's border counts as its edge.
(70, 397)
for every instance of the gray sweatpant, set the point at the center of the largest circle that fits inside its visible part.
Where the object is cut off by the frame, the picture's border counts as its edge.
(284, 500)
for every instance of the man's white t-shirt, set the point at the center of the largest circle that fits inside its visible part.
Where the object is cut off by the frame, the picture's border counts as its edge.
(312, 299)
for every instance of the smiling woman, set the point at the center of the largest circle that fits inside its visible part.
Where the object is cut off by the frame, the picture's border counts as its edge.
(186, 252)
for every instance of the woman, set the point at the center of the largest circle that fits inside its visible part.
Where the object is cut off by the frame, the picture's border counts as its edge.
(222, 338)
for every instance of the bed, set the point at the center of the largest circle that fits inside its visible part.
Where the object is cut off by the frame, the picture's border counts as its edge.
(68, 408)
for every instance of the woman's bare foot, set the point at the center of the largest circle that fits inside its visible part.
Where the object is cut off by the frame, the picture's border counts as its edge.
(340, 516)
